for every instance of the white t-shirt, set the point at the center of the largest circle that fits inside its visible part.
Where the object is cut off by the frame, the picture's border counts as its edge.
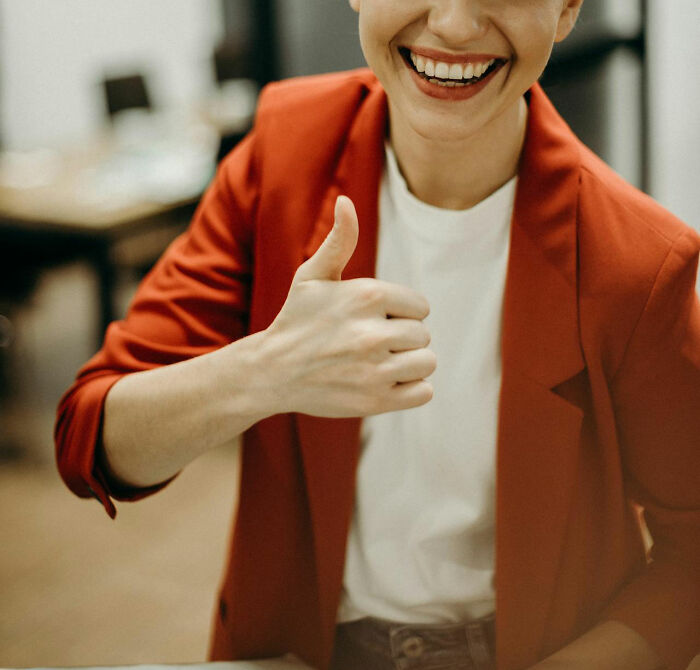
(421, 544)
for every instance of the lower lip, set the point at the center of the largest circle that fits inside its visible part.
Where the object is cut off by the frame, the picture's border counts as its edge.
(450, 92)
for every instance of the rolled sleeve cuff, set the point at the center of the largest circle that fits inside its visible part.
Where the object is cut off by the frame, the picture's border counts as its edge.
(78, 434)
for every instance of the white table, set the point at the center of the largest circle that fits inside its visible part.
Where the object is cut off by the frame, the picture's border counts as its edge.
(286, 663)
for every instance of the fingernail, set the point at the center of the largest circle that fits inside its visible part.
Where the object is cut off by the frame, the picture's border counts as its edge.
(338, 200)
(337, 210)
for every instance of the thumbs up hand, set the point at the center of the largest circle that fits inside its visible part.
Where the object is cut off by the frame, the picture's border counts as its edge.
(347, 348)
(335, 251)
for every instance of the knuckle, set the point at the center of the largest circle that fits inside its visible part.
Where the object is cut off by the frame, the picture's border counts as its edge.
(367, 339)
(387, 371)
(368, 377)
(370, 292)
(364, 378)
(422, 305)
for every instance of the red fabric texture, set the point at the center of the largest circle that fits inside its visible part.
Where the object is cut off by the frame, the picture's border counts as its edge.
(600, 401)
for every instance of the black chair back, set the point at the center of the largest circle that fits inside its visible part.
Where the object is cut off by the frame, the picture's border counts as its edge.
(128, 92)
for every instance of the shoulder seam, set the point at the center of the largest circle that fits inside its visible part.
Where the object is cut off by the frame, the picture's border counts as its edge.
(671, 240)
(633, 332)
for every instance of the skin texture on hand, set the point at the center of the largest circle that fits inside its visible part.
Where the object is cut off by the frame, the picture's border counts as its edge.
(348, 348)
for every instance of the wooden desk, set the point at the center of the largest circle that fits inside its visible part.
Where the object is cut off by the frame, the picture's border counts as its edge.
(61, 219)
(62, 208)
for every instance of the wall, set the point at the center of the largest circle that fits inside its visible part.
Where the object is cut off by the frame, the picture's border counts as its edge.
(318, 36)
(674, 99)
(53, 54)
(602, 101)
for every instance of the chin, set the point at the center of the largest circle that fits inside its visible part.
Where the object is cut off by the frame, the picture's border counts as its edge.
(439, 131)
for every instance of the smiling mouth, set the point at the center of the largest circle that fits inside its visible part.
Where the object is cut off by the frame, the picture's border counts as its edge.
(450, 74)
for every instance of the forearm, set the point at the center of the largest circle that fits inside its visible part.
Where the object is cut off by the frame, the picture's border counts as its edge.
(331, 351)
(158, 421)
(608, 646)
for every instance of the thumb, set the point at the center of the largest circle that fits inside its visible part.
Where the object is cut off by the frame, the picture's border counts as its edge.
(337, 249)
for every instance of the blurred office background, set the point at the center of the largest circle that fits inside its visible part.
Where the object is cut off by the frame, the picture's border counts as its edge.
(113, 114)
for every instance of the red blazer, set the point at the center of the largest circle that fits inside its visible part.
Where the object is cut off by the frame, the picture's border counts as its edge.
(600, 401)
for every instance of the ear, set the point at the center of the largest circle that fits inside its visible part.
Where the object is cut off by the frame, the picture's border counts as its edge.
(567, 18)
(355, 4)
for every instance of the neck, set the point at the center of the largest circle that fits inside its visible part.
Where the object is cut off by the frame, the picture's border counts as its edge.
(460, 174)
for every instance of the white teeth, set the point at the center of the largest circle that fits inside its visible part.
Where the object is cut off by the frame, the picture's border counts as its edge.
(442, 70)
(456, 71)
(450, 83)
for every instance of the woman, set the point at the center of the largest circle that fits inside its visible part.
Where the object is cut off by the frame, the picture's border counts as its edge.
(384, 519)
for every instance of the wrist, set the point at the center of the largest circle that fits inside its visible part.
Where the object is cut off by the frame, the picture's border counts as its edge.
(255, 378)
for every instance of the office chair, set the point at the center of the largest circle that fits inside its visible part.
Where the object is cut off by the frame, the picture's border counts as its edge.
(129, 92)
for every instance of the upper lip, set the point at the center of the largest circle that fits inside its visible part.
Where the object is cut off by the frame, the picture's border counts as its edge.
(447, 57)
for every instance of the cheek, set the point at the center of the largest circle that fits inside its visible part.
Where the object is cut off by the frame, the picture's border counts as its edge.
(382, 22)
(530, 26)
(532, 40)
(376, 36)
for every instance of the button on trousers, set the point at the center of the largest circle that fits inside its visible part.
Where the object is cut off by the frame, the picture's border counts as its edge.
(377, 644)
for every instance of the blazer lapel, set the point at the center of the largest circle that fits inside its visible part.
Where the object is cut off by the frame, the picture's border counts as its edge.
(330, 447)
(538, 429)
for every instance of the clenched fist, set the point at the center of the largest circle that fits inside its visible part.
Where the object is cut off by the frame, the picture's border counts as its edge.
(348, 348)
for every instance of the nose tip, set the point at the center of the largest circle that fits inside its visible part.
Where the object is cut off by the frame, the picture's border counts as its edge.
(457, 22)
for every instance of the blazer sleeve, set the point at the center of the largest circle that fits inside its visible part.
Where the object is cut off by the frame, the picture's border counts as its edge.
(657, 399)
(194, 301)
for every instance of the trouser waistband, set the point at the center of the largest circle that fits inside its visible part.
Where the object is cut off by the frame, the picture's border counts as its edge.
(378, 644)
